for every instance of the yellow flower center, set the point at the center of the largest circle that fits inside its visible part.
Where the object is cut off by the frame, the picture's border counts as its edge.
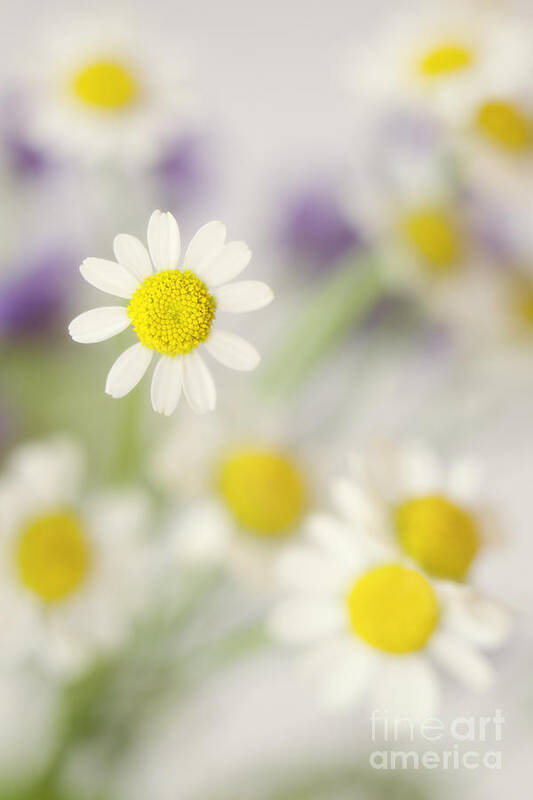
(439, 535)
(52, 556)
(445, 58)
(393, 608)
(106, 85)
(506, 126)
(432, 234)
(264, 491)
(172, 312)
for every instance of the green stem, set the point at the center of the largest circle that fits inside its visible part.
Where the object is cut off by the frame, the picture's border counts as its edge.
(339, 303)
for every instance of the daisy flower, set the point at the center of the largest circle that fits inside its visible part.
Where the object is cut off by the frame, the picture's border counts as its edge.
(442, 61)
(375, 626)
(172, 311)
(73, 567)
(407, 499)
(241, 495)
(103, 91)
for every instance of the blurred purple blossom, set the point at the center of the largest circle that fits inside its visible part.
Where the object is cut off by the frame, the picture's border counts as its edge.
(183, 169)
(33, 293)
(314, 227)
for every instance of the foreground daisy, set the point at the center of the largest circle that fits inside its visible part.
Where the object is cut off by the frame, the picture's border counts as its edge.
(407, 500)
(172, 311)
(374, 625)
(72, 567)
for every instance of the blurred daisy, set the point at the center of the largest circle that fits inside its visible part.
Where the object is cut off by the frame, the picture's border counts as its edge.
(73, 567)
(445, 62)
(239, 494)
(375, 625)
(172, 311)
(408, 206)
(104, 91)
(405, 498)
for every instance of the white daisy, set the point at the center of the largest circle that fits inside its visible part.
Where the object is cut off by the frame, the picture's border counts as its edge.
(238, 494)
(373, 624)
(404, 497)
(73, 568)
(103, 90)
(443, 61)
(172, 311)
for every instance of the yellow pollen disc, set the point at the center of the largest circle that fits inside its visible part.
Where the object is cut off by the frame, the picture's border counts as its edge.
(432, 234)
(438, 535)
(444, 59)
(506, 126)
(264, 491)
(52, 556)
(106, 85)
(393, 608)
(172, 312)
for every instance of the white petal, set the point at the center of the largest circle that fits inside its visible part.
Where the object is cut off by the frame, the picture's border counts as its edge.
(406, 687)
(478, 619)
(462, 660)
(243, 296)
(49, 471)
(348, 677)
(230, 262)
(99, 324)
(201, 534)
(164, 240)
(308, 570)
(110, 277)
(198, 384)
(301, 620)
(355, 504)
(205, 245)
(128, 370)
(232, 351)
(130, 252)
(421, 469)
(465, 480)
(166, 384)
(336, 539)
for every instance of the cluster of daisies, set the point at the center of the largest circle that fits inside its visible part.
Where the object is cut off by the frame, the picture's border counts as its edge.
(441, 183)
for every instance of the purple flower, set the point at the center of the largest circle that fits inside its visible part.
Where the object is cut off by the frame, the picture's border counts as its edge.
(183, 169)
(33, 295)
(314, 228)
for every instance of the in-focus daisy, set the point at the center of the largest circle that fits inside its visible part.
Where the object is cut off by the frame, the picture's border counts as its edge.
(445, 62)
(172, 311)
(375, 625)
(104, 91)
(73, 567)
(407, 499)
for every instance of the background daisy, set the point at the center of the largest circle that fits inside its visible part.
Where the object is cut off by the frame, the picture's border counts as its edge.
(74, 567)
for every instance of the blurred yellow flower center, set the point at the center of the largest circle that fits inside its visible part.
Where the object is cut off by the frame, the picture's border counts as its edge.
(432, 234)
(438, 535)
(264, 491)
(445, 58)
(106, 85)
(393, 608)
(506, 126)
(172, 312)
(52, 556)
